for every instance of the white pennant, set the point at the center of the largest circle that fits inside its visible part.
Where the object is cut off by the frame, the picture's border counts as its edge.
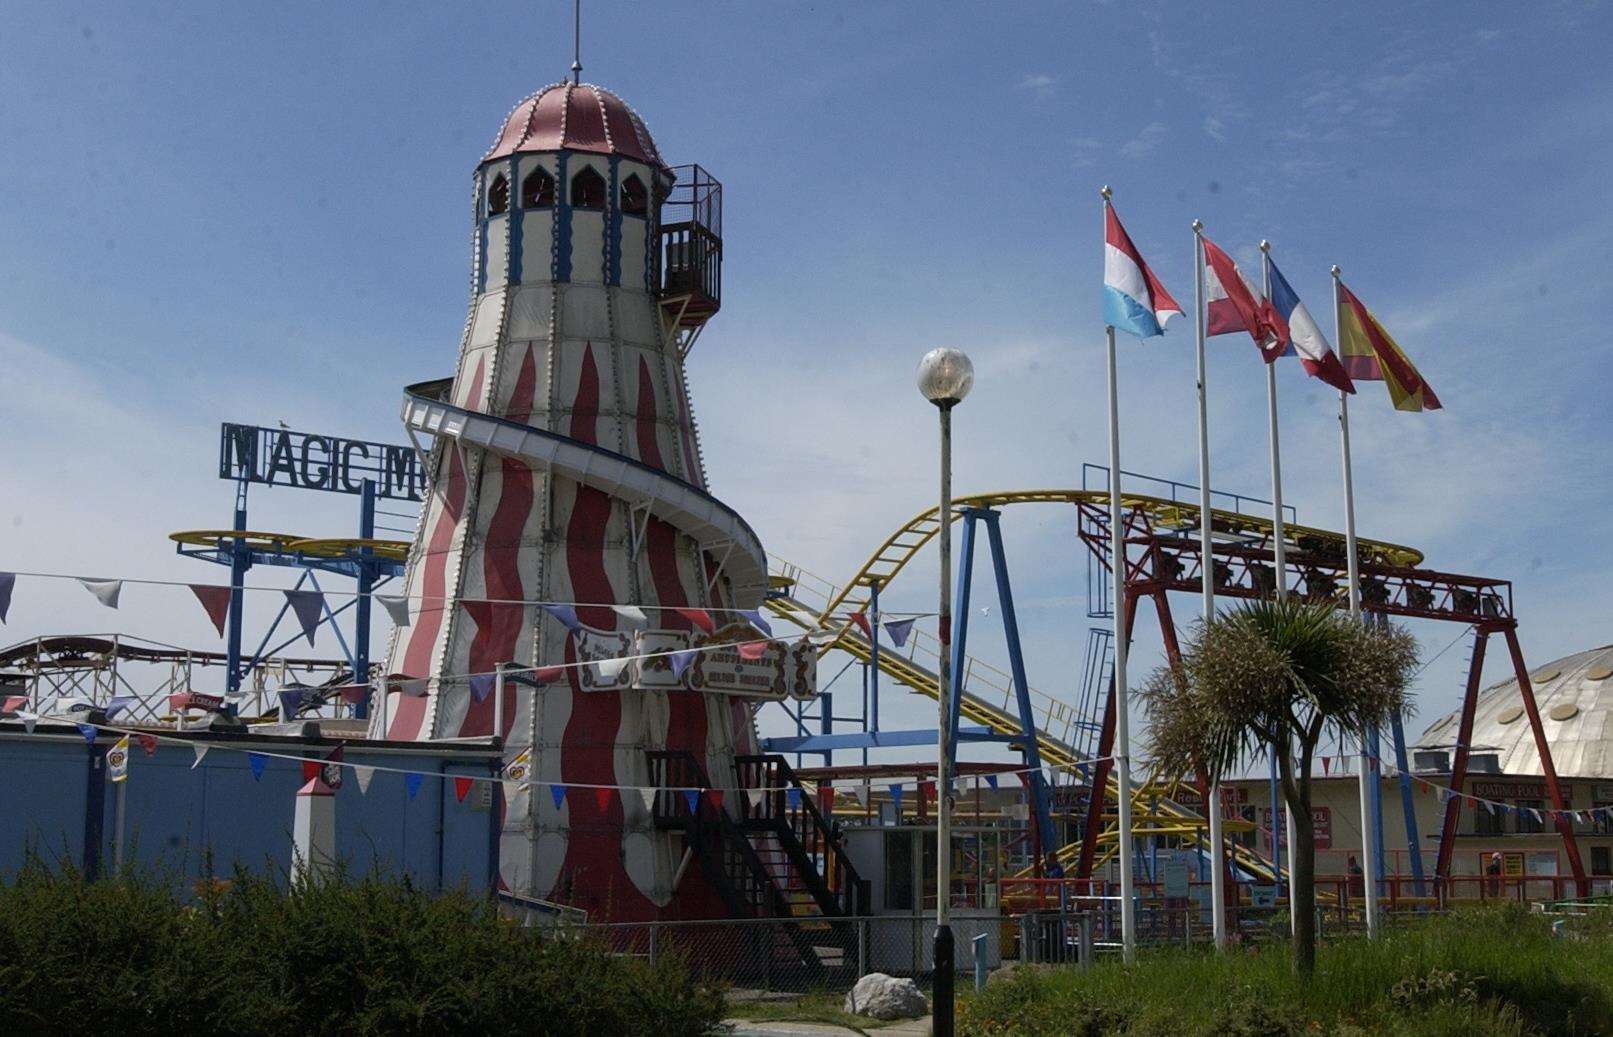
(860, 790)
(632, 614)
(647, 795)
(28, 720)
(200, 750)
(396, 606)
(610, 669)
(362, 775)
(105, 591)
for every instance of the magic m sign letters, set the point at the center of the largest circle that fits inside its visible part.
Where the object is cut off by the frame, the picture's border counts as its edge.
(281, 457)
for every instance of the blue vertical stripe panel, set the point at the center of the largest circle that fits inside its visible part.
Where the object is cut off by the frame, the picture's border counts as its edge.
(562, 222)
(481, 232)
(512, 262)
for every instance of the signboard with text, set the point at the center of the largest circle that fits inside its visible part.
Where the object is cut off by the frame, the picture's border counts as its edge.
(306, 460)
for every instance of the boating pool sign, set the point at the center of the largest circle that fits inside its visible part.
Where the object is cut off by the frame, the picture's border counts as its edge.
(282, 457)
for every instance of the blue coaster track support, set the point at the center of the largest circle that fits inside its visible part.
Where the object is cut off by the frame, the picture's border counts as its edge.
(366, 583)
(1407, 806)
(1035, 782)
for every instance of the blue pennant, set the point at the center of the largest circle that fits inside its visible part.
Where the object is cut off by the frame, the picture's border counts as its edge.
(558, 793)
(257, 761)
(411, 782)
(793, 798)
(89, 731)
(692, 797)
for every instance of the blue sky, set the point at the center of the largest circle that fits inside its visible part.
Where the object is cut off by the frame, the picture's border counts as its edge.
(218, 213)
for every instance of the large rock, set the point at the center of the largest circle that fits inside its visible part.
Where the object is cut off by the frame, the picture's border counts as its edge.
(879, 996)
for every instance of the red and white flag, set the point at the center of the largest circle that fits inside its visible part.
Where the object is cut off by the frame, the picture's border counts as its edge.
(1233, 304)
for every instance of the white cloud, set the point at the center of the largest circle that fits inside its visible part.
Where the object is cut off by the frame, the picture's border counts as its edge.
(1146, 142)
(1040, 84)
(1215, 129)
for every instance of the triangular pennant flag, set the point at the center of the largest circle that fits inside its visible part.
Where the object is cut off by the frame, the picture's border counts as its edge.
(89, 731)
(148, 743)
(754, 617)
(291, 702)
(898, 631)
(681, 661)
(610, 669)
(28, 720)
(699, 617)
(896, 797)
(1536, 815)
(792, 798)
(306, 606)
(8, 583)
(462, 788)
(397, 607)
(257, 761)
(118, 703)
(860, 791)
(215, 602)
(200, 749)
(715, 795)
(647, 797)
(861, 619)
(411, 783)
(362, 776)
(632, 615)
(549, 674)
(692, 798)
(991, 779)
(602, 797)
(1325, 764)
(481, 686)
(558, 794)
(566, 615)
(105, 591)
(751, 651)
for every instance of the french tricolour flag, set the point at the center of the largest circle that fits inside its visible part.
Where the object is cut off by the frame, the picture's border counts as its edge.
(1302, 338)
(1133, 298)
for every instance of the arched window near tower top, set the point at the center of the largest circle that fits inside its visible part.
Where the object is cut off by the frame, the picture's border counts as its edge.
(635, 199)
(537, 190)
(587, 190)
(498, 196)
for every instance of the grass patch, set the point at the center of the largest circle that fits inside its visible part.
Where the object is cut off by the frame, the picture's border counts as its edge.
(357, 957)
(1490, 973)
(809, 1008)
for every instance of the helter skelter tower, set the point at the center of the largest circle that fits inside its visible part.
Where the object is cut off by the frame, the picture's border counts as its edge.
(567, 468)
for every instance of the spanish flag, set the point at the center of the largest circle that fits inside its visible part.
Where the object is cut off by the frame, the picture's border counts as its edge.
(1370, 354)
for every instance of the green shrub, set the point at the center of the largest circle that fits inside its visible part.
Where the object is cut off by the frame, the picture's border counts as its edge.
(356, 957)
(1490, 973)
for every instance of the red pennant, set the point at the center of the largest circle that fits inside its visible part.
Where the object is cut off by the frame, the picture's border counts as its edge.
(753, 650)
(1325, 762)
(603, 798)
(861, 619)
(548, 674)
(462, 788)
(715, 795)
(311, 769)
(148, 743)
(926, 791)
(826, 797)
(699, 617)
(216, 600)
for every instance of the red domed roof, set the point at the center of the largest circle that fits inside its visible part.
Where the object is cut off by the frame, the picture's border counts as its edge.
(579, 117)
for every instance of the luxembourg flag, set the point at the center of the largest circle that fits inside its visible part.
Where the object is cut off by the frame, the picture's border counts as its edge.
(1133, 298)
(1301, 337)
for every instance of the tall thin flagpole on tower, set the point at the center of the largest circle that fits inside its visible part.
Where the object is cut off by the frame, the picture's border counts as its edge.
(1369, 878)
(1117, 566)
(1212, 805)
(1279, 557)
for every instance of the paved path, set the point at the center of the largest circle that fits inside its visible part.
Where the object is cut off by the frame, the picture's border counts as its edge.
(745, 1028)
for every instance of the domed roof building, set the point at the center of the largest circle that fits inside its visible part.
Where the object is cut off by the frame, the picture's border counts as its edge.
(1575, 697)
(582, 117)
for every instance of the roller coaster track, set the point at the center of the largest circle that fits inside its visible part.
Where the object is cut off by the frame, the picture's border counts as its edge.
(1162, 553)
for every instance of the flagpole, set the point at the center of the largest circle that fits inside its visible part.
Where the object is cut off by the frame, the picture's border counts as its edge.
(1117, 567)
(1369, 878)
(117, 825)
(1279, 552)
(1212, 806)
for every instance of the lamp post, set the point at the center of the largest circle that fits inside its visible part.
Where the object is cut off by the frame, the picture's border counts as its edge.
(944, 377)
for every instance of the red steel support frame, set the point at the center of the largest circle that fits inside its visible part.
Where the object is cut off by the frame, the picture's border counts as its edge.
(1464, 740)
(1565, 825)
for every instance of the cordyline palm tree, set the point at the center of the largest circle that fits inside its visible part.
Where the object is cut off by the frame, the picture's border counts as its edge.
(1278, 677)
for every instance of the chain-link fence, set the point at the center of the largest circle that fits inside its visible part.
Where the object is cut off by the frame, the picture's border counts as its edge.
(809, 953)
